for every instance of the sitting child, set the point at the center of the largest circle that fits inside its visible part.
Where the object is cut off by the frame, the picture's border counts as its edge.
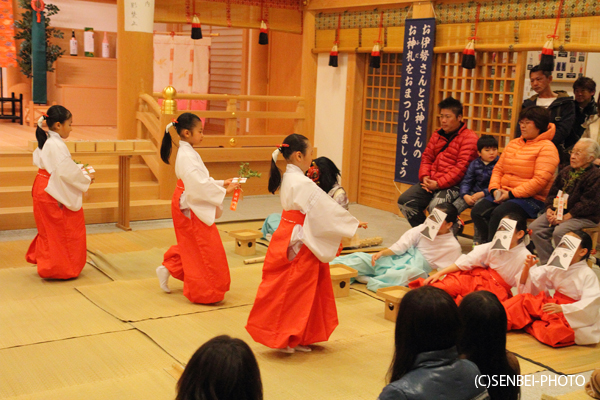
(572, 315)
(325, 174)
(484, 268)
(411, 257)
(474, 185)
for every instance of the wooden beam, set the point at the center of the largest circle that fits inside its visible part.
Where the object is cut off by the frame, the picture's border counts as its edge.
(353, 124)
(133, 78)
(323, 5)
(309, 75)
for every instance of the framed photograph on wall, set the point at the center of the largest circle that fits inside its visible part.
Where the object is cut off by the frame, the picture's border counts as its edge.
(568, 65)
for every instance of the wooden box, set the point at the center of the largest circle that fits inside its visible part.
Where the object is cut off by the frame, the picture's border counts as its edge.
(142, 145)
(84, 146)
(105, 146)
(245, 241)
(393, 296)
(124, 145)
(340, 279)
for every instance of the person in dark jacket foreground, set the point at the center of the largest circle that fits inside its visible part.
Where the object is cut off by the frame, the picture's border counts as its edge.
(426, 364)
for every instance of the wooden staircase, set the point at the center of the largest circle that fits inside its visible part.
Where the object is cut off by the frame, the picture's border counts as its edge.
(100, 202)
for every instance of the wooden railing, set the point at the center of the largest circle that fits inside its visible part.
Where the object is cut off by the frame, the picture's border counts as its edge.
(229, 148)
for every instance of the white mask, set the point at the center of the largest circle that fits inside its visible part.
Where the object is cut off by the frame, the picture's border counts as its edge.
(504, 234)
(565, 251)
(433, 223)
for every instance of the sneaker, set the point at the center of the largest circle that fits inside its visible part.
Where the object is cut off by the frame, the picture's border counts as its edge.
(163, 278)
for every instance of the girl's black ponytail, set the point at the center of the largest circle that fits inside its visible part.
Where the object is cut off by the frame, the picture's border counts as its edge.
(40, 134)
(290, 145)
(185, 121)
(167, 144)
(52, 116)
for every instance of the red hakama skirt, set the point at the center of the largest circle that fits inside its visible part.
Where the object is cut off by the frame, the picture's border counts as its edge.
(199, 258)
(460, 283)
(524, 311)
(295, 303)
(59, 249)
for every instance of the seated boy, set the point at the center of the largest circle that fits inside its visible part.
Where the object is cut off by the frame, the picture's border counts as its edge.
(572, 315)
(410, 257)
(489, 266)
(474, 185)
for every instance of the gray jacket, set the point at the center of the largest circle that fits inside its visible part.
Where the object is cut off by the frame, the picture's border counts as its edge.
(439, 375)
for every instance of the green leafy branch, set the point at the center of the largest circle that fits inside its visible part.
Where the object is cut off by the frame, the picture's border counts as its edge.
(23, 26)
(246, 172)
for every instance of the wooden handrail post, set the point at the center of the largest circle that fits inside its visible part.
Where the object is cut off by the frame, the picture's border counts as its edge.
(299, 122)
(231, 122)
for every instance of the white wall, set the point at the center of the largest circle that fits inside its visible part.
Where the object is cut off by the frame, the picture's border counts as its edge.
(331, 108)
(592, 70)
(85, 14)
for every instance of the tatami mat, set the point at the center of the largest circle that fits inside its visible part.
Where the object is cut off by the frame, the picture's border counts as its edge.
(130, 265)
(152, 385)
(236, 226)
(564, 360)
(25, 283)
(136, 300)
(13, 254)
(527, 367)
(351, 367)
(53, 318)
(358, 315)
(54, 365)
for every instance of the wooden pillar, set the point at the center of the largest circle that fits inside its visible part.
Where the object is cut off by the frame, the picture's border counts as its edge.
(353, 122)
(134, 73)
(309, 75)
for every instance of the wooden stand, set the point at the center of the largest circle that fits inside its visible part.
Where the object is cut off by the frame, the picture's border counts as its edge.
(340, 279)
(245, 241)
(393, 296)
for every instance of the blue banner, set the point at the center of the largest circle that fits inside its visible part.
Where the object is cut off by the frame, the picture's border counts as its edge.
(417, 68)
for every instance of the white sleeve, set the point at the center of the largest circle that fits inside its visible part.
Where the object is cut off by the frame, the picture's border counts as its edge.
(410, 239)
(476, 258)
(536, 282)
(587, 310)
(67, 183)
(325, 224)
(203, 195)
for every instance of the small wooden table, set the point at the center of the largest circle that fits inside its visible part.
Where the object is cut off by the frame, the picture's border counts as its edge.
(245, 241)
(340, 279)
(393, 296)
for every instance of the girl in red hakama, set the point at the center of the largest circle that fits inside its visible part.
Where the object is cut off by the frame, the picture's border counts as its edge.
(199, 258)
(572, 315)
(484, 268)
(295, 306)
(59, 249)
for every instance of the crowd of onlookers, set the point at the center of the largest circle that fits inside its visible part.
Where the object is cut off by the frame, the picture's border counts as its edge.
(440, 348)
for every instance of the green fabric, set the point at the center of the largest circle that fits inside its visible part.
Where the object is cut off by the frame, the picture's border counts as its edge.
(270, 225)
(38, 59)
(396, 270)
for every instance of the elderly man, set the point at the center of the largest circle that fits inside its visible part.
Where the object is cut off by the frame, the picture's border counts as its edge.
(581, 181)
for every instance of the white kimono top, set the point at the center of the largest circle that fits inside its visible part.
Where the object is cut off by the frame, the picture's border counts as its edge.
(326, 222)
(578, 282)
(67, 181)
(508, 264)
(439, 253)
(202, 194)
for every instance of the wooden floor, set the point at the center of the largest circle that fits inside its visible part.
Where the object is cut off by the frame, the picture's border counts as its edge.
(14, 137)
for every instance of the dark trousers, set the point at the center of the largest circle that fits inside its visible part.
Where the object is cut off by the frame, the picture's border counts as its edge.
(486, 216)
(414, 201)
